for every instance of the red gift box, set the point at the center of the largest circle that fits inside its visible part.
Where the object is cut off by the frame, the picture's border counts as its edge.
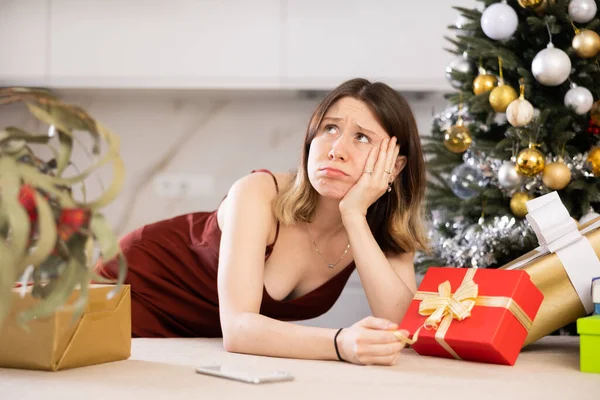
(472, 314)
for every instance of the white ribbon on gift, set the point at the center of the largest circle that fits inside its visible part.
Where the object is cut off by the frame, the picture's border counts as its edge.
(557, 233)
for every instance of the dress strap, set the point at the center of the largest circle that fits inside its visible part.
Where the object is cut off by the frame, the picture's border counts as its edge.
(277, 189)
(272, 176)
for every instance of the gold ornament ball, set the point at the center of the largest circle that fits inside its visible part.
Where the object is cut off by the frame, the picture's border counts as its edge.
(542, 8)
(518, 204)
(556, 175)
(586, 43)
(501, 96)
(531, 4)
(484, 83)
(458, 139)
(530, 162)
(594, 160)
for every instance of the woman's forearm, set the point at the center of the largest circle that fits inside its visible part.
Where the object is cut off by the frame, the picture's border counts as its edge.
(253, 333)
(388, 295)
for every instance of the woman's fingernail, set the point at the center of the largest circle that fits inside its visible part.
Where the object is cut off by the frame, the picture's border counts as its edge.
(392, 325)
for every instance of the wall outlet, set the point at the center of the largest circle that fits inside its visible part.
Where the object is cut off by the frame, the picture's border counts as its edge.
(180, 186)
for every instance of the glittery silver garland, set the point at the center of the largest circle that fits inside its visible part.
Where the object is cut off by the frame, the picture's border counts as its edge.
(448, 117)
(476, 245)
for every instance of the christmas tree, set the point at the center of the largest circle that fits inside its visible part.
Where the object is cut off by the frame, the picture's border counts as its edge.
(524, 121)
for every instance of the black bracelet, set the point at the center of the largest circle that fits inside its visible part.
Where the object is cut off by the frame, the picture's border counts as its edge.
(337, 351)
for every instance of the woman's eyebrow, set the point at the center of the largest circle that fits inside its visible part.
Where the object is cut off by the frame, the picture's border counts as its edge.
(367, 130)
(336, 119)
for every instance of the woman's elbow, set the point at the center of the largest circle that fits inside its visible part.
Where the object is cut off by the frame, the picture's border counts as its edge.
(230, 343)
(233, 333)
(230, 339)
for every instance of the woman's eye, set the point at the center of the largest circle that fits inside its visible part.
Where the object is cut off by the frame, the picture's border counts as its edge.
(363, 138)
(331, 129)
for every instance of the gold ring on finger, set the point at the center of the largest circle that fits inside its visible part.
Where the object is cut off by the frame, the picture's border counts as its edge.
(387, 172)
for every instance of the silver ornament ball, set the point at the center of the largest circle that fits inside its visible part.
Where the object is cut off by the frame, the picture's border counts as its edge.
(551, 66)
(459, 64)
(580, 99)
(465, 181)
(508, 177)
(582, 11)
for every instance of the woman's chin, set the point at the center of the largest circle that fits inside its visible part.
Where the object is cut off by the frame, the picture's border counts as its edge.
(331, 188)
(332, 193)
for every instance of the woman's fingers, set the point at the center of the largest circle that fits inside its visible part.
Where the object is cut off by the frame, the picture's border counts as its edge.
(380, 350)
(376, 323)
(393, 152)
(381, 158)
(373, 336)
(383, 360)
(371, 159)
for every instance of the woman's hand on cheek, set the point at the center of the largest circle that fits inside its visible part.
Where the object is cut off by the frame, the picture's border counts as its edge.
(374, 180)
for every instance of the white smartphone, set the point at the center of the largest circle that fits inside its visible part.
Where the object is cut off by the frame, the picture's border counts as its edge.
(244, 374)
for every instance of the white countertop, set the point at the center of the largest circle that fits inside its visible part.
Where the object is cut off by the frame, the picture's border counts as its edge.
(165, 369)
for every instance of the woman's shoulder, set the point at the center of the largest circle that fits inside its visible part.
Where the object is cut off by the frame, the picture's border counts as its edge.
(253, 194)
(262, 182)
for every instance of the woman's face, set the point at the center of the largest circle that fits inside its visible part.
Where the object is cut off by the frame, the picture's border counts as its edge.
(339, 150)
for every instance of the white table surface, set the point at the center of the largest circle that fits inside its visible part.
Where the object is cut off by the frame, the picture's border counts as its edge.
(165, 369)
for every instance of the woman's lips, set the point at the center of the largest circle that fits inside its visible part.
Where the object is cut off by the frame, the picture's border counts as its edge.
(334, 172)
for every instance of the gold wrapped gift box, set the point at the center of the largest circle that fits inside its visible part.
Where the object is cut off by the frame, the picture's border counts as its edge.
(561, 305)
(101, 334)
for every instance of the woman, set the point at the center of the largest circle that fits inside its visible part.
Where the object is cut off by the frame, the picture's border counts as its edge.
(281, 247)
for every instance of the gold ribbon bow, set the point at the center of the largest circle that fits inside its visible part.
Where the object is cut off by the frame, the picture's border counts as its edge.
(442, 307)
(447, 305)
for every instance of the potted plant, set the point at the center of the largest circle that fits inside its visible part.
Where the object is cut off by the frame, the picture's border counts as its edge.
(49, 235)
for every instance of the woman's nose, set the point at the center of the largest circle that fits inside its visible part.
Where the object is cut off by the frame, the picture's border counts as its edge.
(339, 149)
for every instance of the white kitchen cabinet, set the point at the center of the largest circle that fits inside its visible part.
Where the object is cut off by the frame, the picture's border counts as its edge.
(398, 41)
(23, 42)
(165, 44)
(231, 44)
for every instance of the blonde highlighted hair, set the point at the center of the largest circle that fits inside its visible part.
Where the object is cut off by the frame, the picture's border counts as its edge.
(396, 218)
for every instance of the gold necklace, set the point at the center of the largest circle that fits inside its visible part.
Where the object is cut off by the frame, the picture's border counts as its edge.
(329, 265)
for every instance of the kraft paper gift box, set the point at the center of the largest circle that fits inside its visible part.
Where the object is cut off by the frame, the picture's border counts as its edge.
(562, 267)
(101, 334)
(472, 314)
(588, 329)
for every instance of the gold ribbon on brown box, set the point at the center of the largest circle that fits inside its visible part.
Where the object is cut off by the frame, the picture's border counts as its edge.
(442, 307)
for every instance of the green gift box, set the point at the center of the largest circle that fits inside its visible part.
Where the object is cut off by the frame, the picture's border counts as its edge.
(588, 329)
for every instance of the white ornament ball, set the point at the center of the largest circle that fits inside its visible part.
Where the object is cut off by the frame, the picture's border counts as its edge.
(508, 177)
(582, 11)
(551, 66)
(519, 112)
(459, 64)
(580, 99)
(499, 21)
(588, 217)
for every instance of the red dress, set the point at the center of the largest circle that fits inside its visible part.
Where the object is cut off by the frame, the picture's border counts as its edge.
(172, 270)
